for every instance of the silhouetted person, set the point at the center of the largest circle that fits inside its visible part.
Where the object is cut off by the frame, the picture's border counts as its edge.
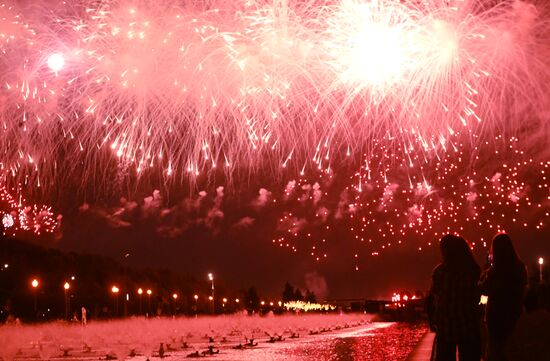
(161, 350)
(453, 304)
(504, 283)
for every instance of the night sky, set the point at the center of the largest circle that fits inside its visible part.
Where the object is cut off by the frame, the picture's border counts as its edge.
(232, 235)
(326, 144)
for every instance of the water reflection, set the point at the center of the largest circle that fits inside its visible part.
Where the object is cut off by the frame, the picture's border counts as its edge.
(373, 342)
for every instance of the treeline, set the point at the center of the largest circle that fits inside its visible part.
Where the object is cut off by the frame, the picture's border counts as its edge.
(91, 280)
(295, 294)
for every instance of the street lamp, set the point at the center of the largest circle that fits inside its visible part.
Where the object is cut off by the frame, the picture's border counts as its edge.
(140, 292)
(66, 287)
(541, 262)
(224, 300)
(211, 278)
(196, 297)
(125, 285)
(34, 284)
(115, 291)
(149, 292)
(175, 297)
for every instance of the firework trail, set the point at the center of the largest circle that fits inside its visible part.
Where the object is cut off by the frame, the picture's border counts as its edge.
(183, 89)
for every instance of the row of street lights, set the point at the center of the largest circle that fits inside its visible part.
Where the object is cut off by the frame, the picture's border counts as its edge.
(66, 286)
(149, 293)
(115, 290)
(175, 296)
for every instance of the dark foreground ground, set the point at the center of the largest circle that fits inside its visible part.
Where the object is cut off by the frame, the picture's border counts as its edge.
(374, 341)
(531, 340)
(294, 338)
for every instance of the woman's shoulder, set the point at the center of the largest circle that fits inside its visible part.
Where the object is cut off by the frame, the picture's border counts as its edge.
(440, 268)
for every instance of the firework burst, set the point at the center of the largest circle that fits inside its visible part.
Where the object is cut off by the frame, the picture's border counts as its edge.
(185, 89)
(19, 216)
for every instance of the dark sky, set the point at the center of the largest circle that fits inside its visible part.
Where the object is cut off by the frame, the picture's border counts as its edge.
(248, 257)
(231, 234)
(244, 258)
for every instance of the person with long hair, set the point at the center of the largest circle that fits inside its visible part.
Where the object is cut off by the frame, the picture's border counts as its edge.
(504, 285)
(453, 303)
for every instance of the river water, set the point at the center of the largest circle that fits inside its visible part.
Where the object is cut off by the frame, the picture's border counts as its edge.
(349, 338)
(373, 342)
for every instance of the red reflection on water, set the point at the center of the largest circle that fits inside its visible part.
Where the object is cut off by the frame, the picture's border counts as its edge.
(390, 343)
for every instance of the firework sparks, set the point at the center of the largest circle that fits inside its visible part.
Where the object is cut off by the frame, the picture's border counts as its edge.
(382, 207)
(185, 90)
(17, 216)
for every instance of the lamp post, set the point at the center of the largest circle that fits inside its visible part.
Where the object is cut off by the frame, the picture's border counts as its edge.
(140, 292)
(149, 292)
(125, 285)
(115, 291)
(35, 284)
(541, 262)
(66, 287)
(211, 278)
(175, 297)
(224, 300)
(196, 297)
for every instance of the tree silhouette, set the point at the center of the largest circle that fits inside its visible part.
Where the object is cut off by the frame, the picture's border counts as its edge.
(298, 296)
(252, 300)
(310, 297)
(288, 293)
